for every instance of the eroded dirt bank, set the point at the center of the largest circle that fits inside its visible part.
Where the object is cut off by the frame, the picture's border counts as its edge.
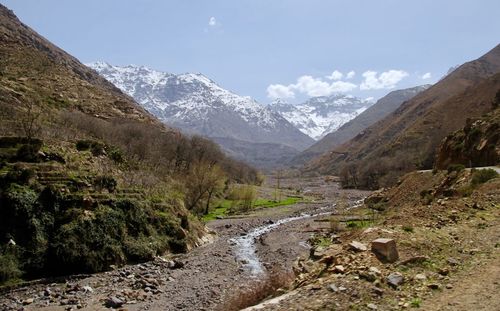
(210, 277)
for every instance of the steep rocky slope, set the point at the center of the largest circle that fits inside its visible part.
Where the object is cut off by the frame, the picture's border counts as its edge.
(408, 137)
(88, 178)
(378, 111)
(321, 115)
(196, 104)
(476, 145)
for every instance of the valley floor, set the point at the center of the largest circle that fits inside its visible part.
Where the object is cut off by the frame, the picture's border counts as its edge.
(449, 258)
(210, 277)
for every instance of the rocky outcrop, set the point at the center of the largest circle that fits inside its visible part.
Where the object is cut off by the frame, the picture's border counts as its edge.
(477, 144)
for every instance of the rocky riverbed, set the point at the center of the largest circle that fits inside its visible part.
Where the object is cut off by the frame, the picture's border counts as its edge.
(219, 275)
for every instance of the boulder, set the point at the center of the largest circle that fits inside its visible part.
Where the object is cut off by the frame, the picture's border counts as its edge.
(385, 250)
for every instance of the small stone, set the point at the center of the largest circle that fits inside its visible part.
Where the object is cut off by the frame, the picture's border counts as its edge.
(453, 262)
(375, 270)
(434, 286)
(444, 271)
(420, 277)
(28, 301)
(395, 279)
(87, 289)
(358, 246)
(378, 291)
(333, 288)
(449, 286)
(339, 269)
(372, 306)
(385, 249)
(342, 289)
(114, 302)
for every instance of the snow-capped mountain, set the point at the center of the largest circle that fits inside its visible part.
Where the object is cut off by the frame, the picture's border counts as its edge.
(319, 116)
(196, 104)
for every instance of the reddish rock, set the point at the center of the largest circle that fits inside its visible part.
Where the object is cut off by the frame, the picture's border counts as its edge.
(385, 249)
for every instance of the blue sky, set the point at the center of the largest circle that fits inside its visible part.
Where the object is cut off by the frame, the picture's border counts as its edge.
(276, 48)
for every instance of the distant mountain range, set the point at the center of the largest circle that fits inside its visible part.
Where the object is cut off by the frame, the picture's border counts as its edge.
(374, 113)
(197, 105)
(319, 116)
(244, 128)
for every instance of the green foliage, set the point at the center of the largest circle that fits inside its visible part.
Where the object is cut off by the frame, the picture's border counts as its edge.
(117, 155)
(455, 168)
(416, 302)
(82, 145)
(482, 176)
(358, 224)
(106, 182)
(28, 152)
(9, 267)
(408, 228)
(243, 198)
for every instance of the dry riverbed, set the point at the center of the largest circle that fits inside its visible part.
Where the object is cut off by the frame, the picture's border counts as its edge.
(215, 276)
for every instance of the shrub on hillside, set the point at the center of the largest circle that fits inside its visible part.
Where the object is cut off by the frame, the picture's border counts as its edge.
(455, 168)
(9, 266)
(482, 176)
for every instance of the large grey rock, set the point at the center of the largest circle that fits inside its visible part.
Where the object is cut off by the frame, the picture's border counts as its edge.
(385, 249)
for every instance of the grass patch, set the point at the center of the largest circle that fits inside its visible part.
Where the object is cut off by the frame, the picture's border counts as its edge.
(358, 224)
(223, 208)
(416, 302)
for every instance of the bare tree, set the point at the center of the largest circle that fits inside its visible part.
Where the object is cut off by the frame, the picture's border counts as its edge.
(29, 119)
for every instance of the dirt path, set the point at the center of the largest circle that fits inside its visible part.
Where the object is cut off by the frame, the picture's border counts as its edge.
(478, 289)
(210, 277)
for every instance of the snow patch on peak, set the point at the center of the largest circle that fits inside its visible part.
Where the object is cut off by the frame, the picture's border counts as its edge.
(321, 115)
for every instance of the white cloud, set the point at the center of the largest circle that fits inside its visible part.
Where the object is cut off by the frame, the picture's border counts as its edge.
(370, 99)
(212, 22)
(275, 91)
(386, 80)
(311, 86)
(336, 75)
(350, 74)
(426, 76)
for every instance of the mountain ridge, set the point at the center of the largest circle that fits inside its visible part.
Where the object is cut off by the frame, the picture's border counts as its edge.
(372, 114)
(319, 116)
(407, 138)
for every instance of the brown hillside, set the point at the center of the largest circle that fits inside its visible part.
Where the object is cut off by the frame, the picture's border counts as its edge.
(408, 138)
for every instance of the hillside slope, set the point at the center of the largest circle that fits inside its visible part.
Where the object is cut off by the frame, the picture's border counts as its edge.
(88, 178)
(407, 139)
(374, 113)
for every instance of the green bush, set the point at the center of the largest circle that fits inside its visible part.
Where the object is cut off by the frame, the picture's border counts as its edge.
(28, 153)
(117, 155)
(97, 148)
(83, 145)
(482, 176)
(9, 267)
(105, 182)
(455, 168)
